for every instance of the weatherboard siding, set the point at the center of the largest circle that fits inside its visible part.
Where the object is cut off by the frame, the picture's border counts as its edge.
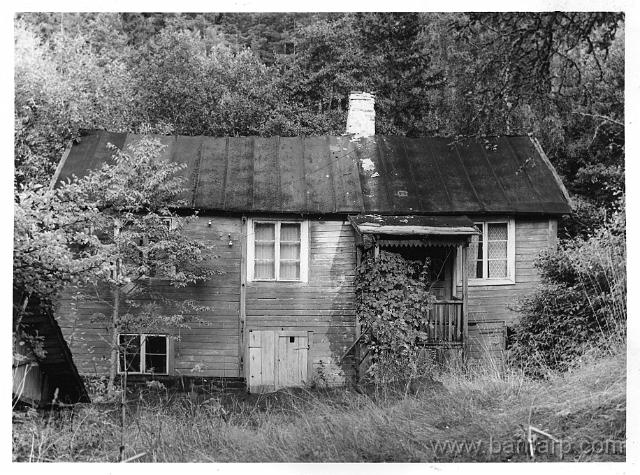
(212, 347)
(496, 302)
(325, 305)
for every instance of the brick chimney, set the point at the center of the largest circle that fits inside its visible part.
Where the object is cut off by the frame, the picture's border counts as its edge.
(361, 118)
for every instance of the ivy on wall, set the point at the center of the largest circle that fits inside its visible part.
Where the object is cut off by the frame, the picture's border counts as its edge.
(393, 296)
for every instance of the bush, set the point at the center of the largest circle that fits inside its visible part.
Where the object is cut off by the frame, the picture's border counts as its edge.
(580, 304)
(393, 295)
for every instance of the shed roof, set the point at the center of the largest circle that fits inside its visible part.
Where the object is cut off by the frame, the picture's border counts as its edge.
(342, 175)
(56, 361)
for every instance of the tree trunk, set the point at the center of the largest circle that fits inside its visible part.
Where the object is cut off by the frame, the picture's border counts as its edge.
(113, 363)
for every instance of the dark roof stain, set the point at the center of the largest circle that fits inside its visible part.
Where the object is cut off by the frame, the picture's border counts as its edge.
(342, 175)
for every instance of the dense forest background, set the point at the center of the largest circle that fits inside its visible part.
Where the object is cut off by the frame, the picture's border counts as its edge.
(557, 75)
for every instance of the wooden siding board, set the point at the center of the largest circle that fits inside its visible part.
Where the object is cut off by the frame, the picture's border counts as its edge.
(213, 344)
(326, 307)
(498, 302)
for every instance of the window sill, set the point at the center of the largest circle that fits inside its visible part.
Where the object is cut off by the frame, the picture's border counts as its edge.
(137, 373)
(273, 281)
(485, 282)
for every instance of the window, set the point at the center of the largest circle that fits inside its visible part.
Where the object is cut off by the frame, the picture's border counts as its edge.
(143, 354)
(491, 256)
(277, 250)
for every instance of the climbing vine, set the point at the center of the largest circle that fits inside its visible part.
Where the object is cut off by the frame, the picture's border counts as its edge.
(393, 295)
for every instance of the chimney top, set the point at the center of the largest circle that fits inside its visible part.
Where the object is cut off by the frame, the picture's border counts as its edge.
(361, 118)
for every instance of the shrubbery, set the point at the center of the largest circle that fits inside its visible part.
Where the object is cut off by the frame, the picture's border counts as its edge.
(393, 296)
(580, 304)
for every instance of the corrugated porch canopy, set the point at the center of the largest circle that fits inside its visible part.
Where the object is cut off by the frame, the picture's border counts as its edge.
(427, 226)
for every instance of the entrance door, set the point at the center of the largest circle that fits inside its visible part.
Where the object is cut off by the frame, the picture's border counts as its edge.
(277, 359)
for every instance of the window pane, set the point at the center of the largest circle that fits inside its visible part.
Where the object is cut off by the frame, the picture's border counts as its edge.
(497, 232)
(497, 250)
(265, 270)
(479, 261)
(129, 352)
(289, 251)
(265, 251)
(155, 363)
(475, 256)
(290, 232)
(156, 344)
(265, 232)
(498, 269)
(290, 270)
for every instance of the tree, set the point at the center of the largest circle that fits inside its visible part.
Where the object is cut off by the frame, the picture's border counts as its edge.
(61, 87)
(140, 235)
(52, 249)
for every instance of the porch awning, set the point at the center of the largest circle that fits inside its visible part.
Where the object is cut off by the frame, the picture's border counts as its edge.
(411, 225)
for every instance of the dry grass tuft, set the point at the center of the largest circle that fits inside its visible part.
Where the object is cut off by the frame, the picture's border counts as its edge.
(340, 425)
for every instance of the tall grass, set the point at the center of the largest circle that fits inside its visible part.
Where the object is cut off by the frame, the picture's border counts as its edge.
(342, 425)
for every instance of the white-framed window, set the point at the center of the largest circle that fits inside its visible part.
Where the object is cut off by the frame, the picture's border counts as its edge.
(142, 353)
(277, 250)
(491, 254)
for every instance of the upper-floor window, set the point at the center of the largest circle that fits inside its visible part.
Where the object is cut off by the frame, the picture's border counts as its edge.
(277, 250)
(491, 256)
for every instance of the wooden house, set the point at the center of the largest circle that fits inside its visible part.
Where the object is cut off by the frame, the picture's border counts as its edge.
(289, 218)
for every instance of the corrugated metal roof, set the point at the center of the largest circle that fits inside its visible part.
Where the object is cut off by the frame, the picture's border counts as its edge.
(329, 174)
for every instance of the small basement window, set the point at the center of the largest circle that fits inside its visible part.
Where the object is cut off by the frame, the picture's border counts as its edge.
(143, 353)
(277, 251)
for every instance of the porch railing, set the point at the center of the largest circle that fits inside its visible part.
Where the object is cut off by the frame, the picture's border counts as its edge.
(443, 322)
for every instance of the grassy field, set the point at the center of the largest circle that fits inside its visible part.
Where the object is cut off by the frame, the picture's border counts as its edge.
(480, 415)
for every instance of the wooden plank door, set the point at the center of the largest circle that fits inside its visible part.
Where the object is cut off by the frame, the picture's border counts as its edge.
(293, 353)
(262, 361)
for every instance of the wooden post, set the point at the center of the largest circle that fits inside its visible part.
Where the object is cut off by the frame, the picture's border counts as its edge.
(356, 350)
(243, 291)
(465, 289)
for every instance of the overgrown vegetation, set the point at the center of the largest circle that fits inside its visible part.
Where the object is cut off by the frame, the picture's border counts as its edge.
(583, 408)
(392, 297)
(581, 304)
